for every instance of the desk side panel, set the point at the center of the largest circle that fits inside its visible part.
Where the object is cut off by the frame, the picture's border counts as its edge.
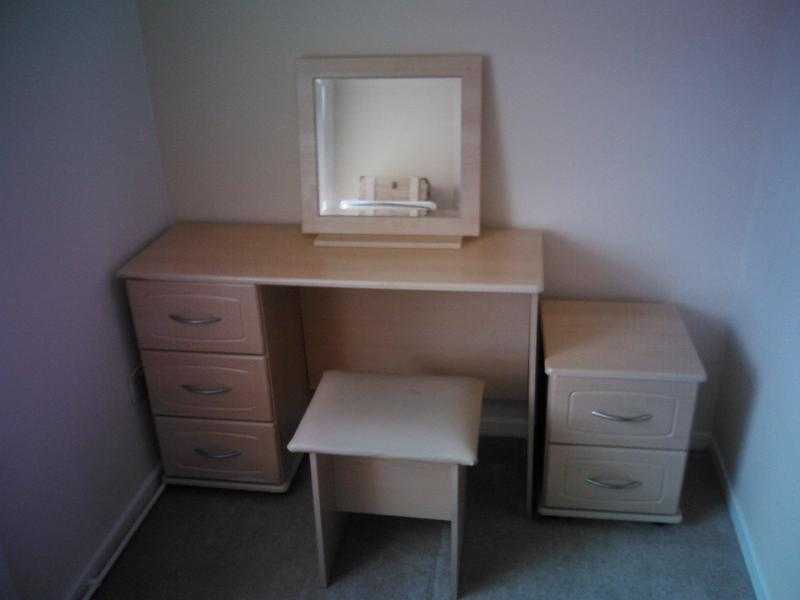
(283, 332)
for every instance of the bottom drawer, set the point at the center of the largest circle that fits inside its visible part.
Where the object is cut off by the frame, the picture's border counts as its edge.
(614, 479)
(230, 450)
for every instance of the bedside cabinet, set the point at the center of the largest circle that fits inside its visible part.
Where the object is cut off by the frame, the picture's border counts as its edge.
(226, 376)
(622, 387)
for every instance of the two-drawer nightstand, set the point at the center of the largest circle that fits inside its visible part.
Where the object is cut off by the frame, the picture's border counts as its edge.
(622, 387)
(226, 375)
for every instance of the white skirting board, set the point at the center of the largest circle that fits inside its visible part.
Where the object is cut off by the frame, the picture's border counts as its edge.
(739, 524)
(118, 536)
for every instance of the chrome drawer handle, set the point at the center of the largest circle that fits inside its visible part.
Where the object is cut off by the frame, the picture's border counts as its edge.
(217, 455)
(621, 419)
(189, 321)
(193, 389)
(628, 485)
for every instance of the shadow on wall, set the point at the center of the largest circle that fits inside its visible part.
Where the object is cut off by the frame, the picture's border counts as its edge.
(122, 319)
(584, 273)
(735, 408)
(494, 192)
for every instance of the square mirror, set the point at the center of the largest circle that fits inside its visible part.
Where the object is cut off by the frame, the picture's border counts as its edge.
(390, 145)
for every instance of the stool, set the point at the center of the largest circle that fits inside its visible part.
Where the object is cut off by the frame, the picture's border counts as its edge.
(390, 445)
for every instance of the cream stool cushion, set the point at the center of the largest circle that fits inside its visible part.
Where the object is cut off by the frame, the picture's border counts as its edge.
(421, 417)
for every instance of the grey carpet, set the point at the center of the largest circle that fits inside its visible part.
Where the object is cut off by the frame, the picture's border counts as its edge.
(203, 543)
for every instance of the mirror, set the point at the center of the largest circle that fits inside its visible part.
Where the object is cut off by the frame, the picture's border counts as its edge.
(390, 145)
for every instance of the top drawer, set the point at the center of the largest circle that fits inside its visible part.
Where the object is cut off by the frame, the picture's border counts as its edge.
(196, 316)
(620, 412)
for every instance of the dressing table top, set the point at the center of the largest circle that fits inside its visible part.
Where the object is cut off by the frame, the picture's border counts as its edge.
(500, 260)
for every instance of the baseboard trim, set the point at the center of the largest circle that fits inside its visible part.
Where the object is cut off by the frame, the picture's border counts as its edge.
(118, 536)
(739, 523)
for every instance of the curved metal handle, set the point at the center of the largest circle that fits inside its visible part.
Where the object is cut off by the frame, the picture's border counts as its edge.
(193, 389)
(190, 321)
(628, 485)
(621, 419)
(217, 455)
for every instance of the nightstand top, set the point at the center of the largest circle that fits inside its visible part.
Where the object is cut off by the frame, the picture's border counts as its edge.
(618, 340)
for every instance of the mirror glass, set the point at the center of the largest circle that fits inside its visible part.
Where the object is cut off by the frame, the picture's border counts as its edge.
(388, 146)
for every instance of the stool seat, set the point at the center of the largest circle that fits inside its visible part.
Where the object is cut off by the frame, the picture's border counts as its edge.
(420, 417)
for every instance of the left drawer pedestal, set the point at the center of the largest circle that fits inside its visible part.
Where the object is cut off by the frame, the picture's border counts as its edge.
(223, 408)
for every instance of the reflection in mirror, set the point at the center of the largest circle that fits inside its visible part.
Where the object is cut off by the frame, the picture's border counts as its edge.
(388, 146)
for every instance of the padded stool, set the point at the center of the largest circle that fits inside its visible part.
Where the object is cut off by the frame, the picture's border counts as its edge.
(390, 445)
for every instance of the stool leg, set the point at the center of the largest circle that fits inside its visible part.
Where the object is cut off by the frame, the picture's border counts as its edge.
(458, 487)
(329, 522)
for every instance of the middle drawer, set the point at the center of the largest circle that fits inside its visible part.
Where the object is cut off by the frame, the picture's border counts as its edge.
(212, 386)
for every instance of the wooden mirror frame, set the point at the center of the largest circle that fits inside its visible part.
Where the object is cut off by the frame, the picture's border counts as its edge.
(466, 67)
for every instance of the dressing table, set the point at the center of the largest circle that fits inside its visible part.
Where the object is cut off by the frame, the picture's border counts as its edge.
(238, 323)
(296, 310)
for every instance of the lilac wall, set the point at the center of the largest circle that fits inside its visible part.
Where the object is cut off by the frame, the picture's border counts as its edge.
(758, 425)
(81, 190)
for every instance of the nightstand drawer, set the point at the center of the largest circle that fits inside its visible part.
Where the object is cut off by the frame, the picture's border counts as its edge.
(212, 386)
(620, 412)
(614, 479)
(196, 316)
(226, 450)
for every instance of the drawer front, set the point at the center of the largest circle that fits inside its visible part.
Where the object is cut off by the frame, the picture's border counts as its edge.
(212, 386)
(228, 450)
(620, 412)
(196, 316)
(614, 479)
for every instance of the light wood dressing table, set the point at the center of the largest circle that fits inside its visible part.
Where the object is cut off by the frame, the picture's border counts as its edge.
(293, 310)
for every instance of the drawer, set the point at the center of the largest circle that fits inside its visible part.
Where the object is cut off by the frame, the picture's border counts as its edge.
(620, 412)
(227, 450)
(212, 386)
(614, 479)
(196, 316)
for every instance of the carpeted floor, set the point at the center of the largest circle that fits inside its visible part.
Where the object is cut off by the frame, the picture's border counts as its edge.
(202, 543)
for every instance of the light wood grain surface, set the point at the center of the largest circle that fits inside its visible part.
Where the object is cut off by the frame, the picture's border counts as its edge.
(500, 260)
(616, 339)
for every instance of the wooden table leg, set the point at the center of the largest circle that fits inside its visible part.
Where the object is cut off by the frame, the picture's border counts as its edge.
(458, 479)
(329, 522)
(533, 357)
